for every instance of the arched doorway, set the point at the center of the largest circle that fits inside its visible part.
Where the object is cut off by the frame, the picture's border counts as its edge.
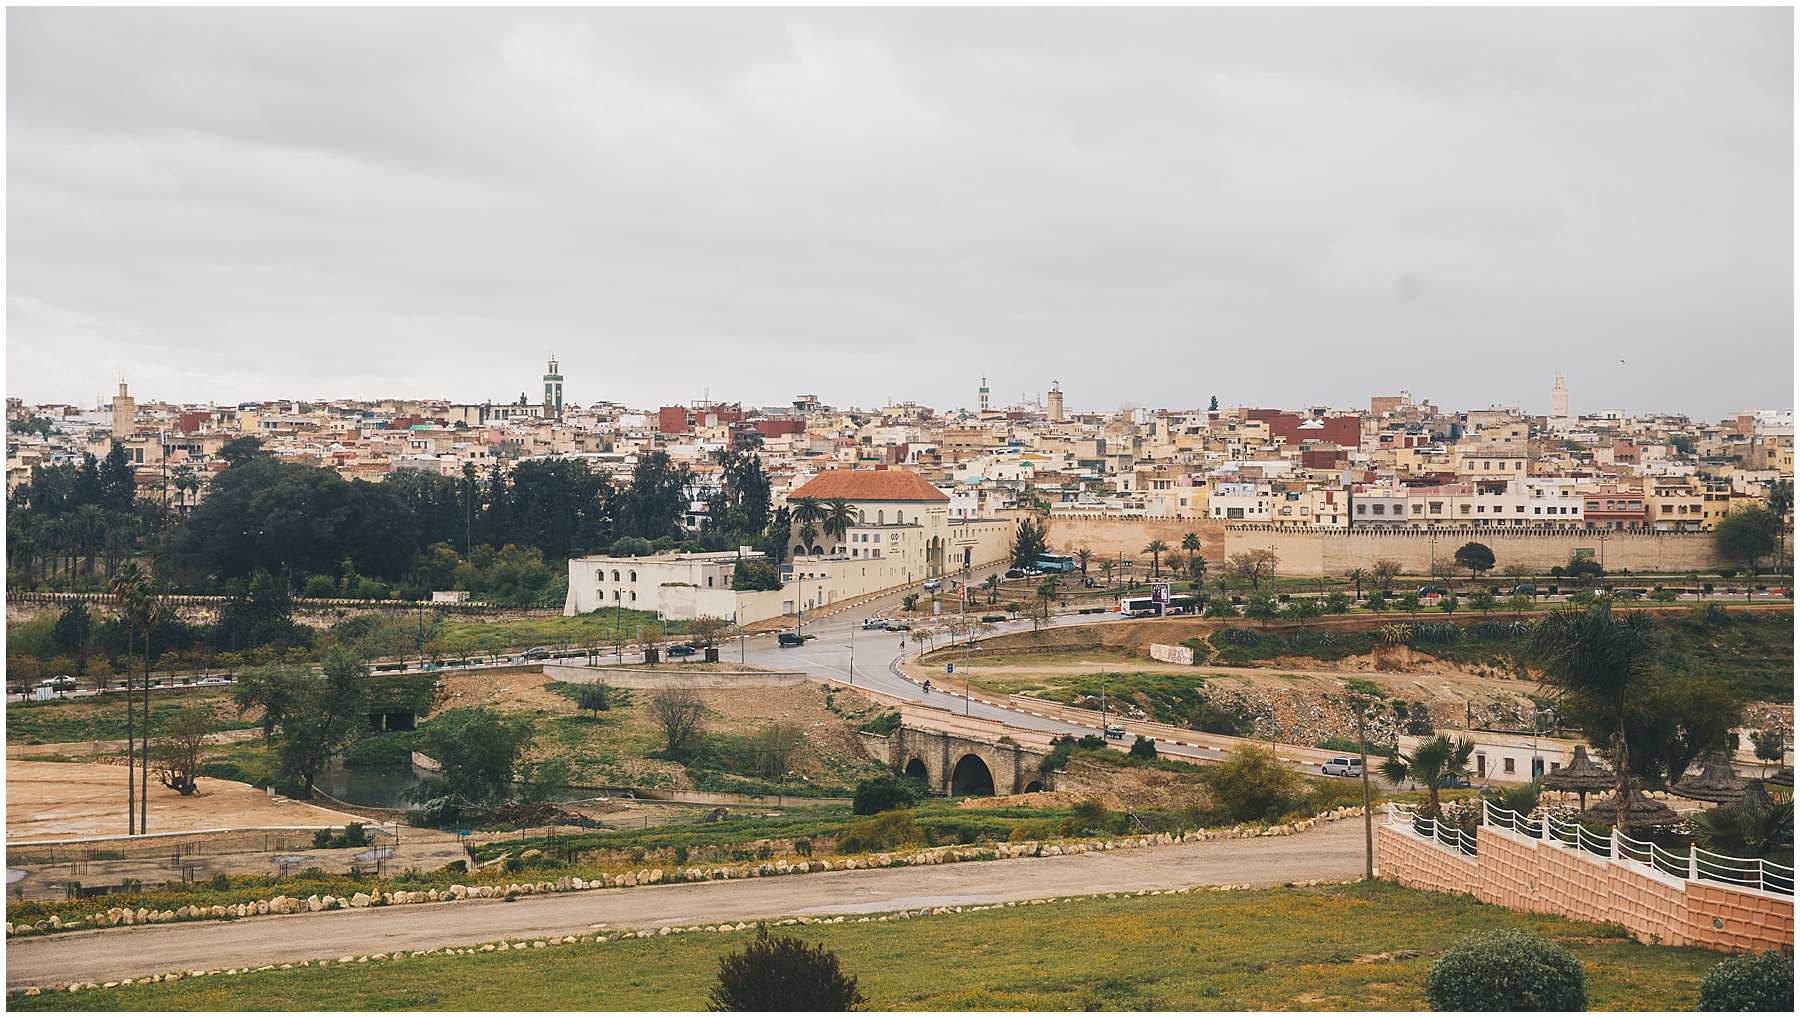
(971, 777)
(915, 768)
(1035, 786)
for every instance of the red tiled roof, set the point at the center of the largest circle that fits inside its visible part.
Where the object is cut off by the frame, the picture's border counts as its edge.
(870, 486)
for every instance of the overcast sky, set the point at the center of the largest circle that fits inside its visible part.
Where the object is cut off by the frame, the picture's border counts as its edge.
(1278, 207)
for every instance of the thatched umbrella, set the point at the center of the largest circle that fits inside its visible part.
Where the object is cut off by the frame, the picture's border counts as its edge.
(1582, 775)
(1755, 798)
(1716, 782)
(1640, 811)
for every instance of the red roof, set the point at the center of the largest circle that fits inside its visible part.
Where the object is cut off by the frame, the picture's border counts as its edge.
(870, 486)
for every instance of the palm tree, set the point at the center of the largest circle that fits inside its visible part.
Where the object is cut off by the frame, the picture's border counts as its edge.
(1190, 543)
(89, 524)
(1356, 576)
(1082, 555)
(1197, 566)
(1599, 664)
(807, 509)
(992, 583)
(1106, 570)
(838, 516)
(1430, 765)
(1155, 549)
(808, 531)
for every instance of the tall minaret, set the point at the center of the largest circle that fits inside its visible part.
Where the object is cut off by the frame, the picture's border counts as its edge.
(1559, 399)
(984, 394)
(124, 414)
(1056, 403)
(553, 389)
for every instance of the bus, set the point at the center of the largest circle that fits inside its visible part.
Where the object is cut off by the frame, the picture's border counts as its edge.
(1050, 563)
(1145, 604)
(1134, 607)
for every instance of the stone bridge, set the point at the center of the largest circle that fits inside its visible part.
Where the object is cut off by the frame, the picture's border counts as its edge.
(959, 764)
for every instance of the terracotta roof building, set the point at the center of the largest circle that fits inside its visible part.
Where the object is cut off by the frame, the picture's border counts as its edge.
(870, 486)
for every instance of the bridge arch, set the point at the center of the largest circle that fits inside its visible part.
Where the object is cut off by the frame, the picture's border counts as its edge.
(971, 777)
(915, 768)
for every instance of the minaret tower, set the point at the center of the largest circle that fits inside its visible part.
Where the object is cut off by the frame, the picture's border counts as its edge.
(1056, 402)
(1559, 399)
(553, 389)
(984, 394)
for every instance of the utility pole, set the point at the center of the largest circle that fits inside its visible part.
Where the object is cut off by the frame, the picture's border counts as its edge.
(1362, 747)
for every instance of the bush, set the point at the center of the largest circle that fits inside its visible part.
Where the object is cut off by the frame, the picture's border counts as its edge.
(1145, 748)
(220, 882)
(631, 546)
(881, 832)
(783, 974)
(1750, 982)
(879, 795)
(321, 586)
(1251, 784)
(1507, 970)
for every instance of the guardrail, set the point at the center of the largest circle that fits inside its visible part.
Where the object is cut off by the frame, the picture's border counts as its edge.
(1696, 864)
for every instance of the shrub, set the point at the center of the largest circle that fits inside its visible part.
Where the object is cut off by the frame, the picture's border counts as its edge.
(1750, 982)
(1507, 970)
(881, 832)
(631, 546)
(879, 795)
(321, 586)
(1251, 784)
(783, 974)
(803, 846)
(1089, 816)
(681, 855)
(1145, 748)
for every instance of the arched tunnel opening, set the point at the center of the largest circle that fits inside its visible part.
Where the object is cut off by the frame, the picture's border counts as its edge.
(971, 777)
(915, 768)
(1035, 786)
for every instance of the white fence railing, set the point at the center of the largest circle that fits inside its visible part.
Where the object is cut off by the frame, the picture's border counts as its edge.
(1449, 836)
(1695, 864)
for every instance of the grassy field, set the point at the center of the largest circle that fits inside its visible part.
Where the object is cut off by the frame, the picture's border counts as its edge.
(87, 718)
(599, 628)
(1303, 949)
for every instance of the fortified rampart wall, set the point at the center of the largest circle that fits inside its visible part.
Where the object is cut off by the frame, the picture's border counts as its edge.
(1314, 552)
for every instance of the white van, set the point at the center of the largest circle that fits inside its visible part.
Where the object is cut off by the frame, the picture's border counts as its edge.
(1348, 766)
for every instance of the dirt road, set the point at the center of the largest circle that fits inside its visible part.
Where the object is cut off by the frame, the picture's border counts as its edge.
(1331, 851)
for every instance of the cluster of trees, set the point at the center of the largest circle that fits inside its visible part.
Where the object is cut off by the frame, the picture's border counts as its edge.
(71, 525)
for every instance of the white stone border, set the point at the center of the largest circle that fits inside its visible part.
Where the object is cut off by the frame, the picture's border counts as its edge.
(287, 905)
(666, 931)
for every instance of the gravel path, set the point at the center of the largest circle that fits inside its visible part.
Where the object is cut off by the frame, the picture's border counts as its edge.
(1329, 851)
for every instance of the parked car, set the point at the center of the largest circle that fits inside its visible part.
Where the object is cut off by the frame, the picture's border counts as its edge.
(789, 639)
(1347, 766)
(214, 680)
(683, 650)
(993, 618)
(1015, 574)
(537, 653)
(1456, 781)
(934, 584)
(1115, 731)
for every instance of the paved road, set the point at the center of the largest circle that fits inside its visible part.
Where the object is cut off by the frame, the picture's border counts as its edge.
(1328, 852)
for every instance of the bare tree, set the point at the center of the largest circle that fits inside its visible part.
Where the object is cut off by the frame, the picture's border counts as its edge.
(1385, 570)
(175, 756)
(706, 631)
(681, 715)
(1251, 568)
(777, 746)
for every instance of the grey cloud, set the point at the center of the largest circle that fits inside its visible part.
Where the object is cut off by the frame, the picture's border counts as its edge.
(1279, 206)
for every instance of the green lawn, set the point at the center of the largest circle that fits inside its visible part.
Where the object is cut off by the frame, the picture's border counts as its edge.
(593, 629)
(87, 718)
(1328, 948)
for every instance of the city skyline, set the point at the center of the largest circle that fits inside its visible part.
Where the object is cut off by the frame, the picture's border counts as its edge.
(1280, 207)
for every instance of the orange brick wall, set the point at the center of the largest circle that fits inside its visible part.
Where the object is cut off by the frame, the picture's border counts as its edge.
(1533, 876)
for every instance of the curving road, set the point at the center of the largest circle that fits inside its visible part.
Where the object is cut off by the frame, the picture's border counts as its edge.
(1328, 852)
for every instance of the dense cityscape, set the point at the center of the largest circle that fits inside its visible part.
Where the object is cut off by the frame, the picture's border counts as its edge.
(1202, 510)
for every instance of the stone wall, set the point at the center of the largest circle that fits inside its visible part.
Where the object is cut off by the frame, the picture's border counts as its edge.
(1110, 536)
(658, 678)
(1172, 653)
(1538, 876)
(1332, 552)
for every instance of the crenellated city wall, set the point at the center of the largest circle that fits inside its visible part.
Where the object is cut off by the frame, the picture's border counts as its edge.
(1314, 552)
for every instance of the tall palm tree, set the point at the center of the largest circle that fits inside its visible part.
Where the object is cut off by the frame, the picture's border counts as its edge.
(90, 531)
(1190, 543)
(809, 531)
(142, 610)
(1598, 664)
(1155, 549)
(839, 516)
(807, 509)
(1356, 577)
(1429, 766)
(1082, 555)
(992, 583)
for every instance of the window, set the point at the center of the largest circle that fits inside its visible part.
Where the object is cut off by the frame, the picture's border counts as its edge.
(1507, 765)
(634, 580)
(615, 574)
(709, 581)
